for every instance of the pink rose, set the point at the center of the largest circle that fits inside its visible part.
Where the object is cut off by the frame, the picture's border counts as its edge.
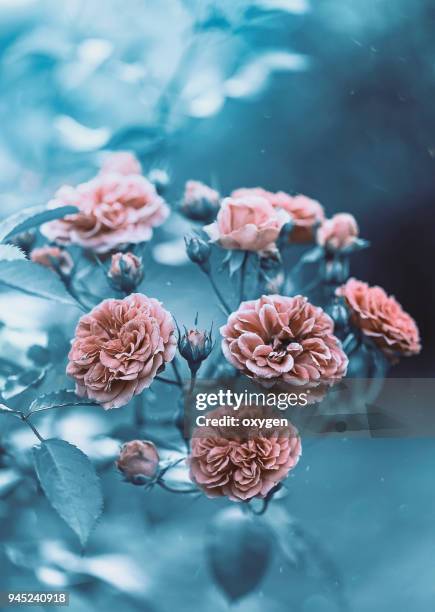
(242, 463)
(54, 258)
(249, 224)
(304, 212)
(114, 209)
(121, 162)
(381, 318)
(119, 347)
(339, 232)
(278, 339)
(138, 461)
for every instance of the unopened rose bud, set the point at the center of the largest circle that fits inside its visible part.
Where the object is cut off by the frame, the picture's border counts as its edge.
(126, 272)
(160, 179)
(198, 251)
(138, 461)
(340, 315)
(200, 202)
(195, 346)
(53, 257)
(24, 241)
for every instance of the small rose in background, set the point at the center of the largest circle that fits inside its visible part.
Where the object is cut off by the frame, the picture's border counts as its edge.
(119, 348)
(243, 462)
(114, 209)
(122, 162)
(53, 257)
(200, 202)
(278, 340)
(340, 233)
(126, 272)
(195, 346)
(381, 318)
(305, 213)
(138, 461)
(247, 223)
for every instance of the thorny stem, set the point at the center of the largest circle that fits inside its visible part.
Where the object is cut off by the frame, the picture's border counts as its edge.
(216, 290)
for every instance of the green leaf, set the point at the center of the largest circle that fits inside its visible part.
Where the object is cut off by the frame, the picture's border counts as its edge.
(234, 260)
(58, 399)
(70, 484)
(35, 279)
(9, 252)
(18, 383)
(312, 255)
(4, 408)
(32, 217)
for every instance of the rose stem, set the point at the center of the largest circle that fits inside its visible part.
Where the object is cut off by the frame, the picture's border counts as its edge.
(168, 488)
(139, 414)
(242, 276)
(25, 419)
(176, 371)
(167, 381)
(216, 290)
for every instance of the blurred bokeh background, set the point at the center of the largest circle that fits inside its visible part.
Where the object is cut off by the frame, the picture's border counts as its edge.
(333, 99)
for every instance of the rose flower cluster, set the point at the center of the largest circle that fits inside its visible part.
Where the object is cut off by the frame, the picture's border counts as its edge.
(279, 341)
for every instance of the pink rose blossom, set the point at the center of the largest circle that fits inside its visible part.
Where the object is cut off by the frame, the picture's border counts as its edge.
(54, 258)
(138, 460)
(278, 339)
(242, 463)
(119, 347)
(339, 232)
(114, 209)
(248, 223)
(381, 318)
(121, 162)
(304, 212)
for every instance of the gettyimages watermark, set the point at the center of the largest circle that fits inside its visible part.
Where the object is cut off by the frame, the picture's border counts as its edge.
(354, 407)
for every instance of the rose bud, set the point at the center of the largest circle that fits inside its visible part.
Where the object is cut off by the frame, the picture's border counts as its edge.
(53, 257)
(138, 461)
(195, 346)
(198, 251)
(126, 272)
(160, 179)
(200, 202)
